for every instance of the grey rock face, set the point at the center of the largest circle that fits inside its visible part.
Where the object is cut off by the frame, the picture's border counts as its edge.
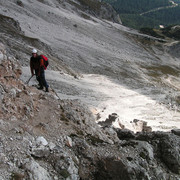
(125, 134)
(65, 164)
(173, 49)
(170, 152)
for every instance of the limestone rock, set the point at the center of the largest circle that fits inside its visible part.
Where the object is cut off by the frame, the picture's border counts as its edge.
(36, 172)
(51, 146)
(68, 141)
(66, 167)
(41, 141)
(40, 151)
(140, 125)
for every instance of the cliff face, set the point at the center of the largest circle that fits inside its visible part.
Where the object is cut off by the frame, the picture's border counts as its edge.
(43, 137)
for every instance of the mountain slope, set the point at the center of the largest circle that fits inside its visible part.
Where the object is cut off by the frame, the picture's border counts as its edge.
(104, 79)
(45, 138)
(146, 66)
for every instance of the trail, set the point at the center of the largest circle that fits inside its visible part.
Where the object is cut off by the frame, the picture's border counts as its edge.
(160, 8)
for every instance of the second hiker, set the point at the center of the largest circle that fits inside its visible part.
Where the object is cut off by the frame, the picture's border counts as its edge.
(37, 66)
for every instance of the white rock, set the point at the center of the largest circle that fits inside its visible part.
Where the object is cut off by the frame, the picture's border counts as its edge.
(73, 170)
(68, 141)
(3, 158)
(51, 146)
(5, 57)
(36, 172)
(1, 178)
(41, 141)
(56, 178)
(1, 57)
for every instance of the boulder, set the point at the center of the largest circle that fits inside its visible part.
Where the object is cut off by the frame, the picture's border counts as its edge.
(41, 141)
(40, 151)
(125, 134)
(169, 148)
(36, 172)
(176, 131)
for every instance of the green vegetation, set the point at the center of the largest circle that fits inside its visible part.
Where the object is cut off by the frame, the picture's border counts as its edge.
(170, 31)
(137, 22)
(130, 10)
(150, 32)
(137, 6)
(166, 16)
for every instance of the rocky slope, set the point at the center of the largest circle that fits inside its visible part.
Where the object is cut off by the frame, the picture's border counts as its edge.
(102, 75)
(143, 71)
(44, 138)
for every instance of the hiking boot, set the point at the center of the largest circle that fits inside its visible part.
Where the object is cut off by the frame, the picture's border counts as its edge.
(40, 88)
(47, 90)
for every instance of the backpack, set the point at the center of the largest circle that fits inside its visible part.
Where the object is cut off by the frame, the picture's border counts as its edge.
(46, 62)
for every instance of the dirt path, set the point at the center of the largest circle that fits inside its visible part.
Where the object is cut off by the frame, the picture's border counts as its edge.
(160, 8)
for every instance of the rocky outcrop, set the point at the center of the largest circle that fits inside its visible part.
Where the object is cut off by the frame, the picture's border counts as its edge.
(100, 10)
(114, 121)
(107, 12)
(173, 48)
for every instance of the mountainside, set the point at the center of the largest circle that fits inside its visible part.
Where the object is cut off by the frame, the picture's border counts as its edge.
(97, 55)
(45, 138)
(141, 13)
(105, 80)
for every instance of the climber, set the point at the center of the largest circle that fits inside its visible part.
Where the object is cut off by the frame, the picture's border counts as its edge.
(37, 66)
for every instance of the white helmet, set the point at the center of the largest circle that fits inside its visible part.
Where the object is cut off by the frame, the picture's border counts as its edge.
(34, 51)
